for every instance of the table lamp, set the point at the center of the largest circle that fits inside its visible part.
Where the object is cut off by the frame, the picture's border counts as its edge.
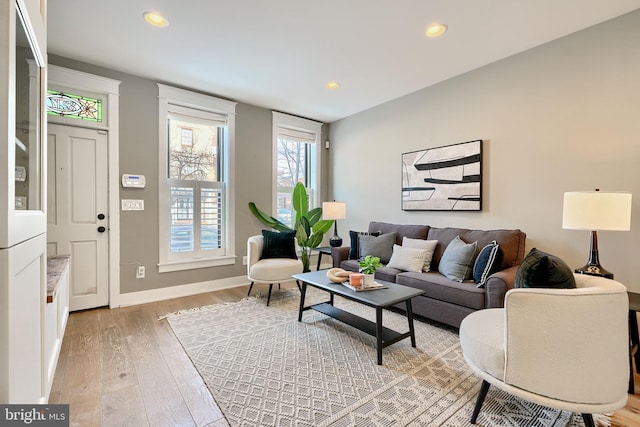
(335, 211)
(596, 210)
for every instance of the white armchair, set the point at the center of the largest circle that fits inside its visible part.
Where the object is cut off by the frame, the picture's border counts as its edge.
(562, 348)
(271, 270)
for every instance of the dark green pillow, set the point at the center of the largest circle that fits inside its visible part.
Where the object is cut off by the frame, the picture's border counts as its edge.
(542, 270)
(279, 244)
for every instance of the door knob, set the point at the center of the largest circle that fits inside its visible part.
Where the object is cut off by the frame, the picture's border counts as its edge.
(100, 216)
(101, 229)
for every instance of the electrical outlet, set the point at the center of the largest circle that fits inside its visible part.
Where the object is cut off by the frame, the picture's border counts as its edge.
(140, 272)
(244, 260)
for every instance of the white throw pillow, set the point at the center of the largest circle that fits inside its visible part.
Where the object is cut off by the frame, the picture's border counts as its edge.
(407, 259)
(427, 245)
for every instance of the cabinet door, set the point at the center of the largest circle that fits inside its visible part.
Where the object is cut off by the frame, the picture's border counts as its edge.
(24, 295)
(22, 76)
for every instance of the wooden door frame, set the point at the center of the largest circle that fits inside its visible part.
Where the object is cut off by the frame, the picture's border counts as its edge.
(72, 79)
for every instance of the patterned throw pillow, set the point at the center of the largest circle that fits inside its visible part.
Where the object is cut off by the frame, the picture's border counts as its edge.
(457, 260)
(488, 262)
(542, 270)
(354, 250)
(279, 244)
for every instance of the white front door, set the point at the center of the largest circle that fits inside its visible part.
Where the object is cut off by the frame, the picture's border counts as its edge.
(77, 210)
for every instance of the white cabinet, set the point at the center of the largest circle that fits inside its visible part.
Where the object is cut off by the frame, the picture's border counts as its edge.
(22, 201)
(22, 300)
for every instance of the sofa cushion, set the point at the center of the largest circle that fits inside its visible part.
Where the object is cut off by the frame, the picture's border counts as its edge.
(438, 287)
(487, 263)
(457, 260)
(407, 259)
(412, 231)
(380, 246)
(511, 242)
(542, 270)
(427, 245)
(279, 244)
(354, 249)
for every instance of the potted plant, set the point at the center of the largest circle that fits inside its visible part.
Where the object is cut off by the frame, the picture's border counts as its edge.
(368, 266)
(309, 226)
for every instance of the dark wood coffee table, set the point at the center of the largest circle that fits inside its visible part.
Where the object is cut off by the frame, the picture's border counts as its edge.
(378, 299)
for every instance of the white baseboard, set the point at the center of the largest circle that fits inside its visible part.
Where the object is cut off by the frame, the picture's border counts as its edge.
(153, 295)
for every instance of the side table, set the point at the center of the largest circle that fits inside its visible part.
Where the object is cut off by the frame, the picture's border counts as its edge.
(634, 340)
(322, 250)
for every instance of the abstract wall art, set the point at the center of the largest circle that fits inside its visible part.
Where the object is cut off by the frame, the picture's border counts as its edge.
(447, 178)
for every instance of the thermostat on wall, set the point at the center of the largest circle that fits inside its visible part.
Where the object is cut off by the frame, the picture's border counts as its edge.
(133, 181)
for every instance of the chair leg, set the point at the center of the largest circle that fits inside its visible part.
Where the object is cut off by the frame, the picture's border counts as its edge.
(484, 388)
(298, 283)
(588, 420)
(250, 287)
(269, 295)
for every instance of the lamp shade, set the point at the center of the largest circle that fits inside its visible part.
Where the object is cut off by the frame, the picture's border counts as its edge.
(334, 210)
(596, 210)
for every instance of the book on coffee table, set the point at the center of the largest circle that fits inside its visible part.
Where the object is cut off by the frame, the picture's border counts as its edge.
(373, 287)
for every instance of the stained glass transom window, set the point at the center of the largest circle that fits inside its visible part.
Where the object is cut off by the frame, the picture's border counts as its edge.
(74, 106)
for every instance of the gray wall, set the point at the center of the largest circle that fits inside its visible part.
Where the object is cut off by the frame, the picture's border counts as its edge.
(139, 154)
(560, 117)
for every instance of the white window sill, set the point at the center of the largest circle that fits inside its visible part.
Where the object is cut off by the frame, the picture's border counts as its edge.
(170, 266)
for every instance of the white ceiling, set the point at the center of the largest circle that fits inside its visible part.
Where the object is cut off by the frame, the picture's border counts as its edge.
(279, 54)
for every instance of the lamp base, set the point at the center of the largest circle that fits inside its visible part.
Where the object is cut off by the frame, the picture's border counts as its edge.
(594, 270)
(593, 266)
(335, 241)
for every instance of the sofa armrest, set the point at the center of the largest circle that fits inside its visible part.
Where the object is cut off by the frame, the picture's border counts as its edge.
(497, 286)
(339, 254)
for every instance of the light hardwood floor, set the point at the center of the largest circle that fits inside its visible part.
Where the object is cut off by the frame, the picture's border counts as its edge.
(123, 367)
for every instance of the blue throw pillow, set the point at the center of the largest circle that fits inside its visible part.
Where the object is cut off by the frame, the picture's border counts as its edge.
(457, 260)
(279, 244)
(488, 262)
(542, 270)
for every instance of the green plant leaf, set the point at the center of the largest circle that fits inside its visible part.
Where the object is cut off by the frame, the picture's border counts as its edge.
(322, 226)
(299, 201)
(267, 220)
(301, 234)
(314, 215)
(315, 240)
(307, 227)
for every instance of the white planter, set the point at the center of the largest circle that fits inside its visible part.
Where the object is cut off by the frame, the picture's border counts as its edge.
(368, 280)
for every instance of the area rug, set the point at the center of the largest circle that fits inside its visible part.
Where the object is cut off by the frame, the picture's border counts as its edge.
(264, 368)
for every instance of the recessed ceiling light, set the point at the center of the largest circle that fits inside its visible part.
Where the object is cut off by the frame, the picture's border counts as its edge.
(333, 85)
(155, 19)
(435, 30)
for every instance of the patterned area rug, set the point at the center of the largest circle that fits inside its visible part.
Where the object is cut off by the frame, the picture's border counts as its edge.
(264, 368)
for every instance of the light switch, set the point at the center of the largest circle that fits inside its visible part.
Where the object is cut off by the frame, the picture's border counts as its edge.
(132, 205)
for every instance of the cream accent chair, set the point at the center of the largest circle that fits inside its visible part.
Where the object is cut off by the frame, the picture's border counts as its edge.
(563, 348)
(270, 270)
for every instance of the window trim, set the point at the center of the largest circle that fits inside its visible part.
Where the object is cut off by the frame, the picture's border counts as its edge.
(180, 99)
(299, 127)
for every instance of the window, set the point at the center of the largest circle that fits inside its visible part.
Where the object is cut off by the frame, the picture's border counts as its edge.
(296, 159)
(73, 106)
(187, 137)
(196, 198)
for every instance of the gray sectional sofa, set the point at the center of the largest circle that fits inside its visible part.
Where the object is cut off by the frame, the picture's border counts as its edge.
(445, 300)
